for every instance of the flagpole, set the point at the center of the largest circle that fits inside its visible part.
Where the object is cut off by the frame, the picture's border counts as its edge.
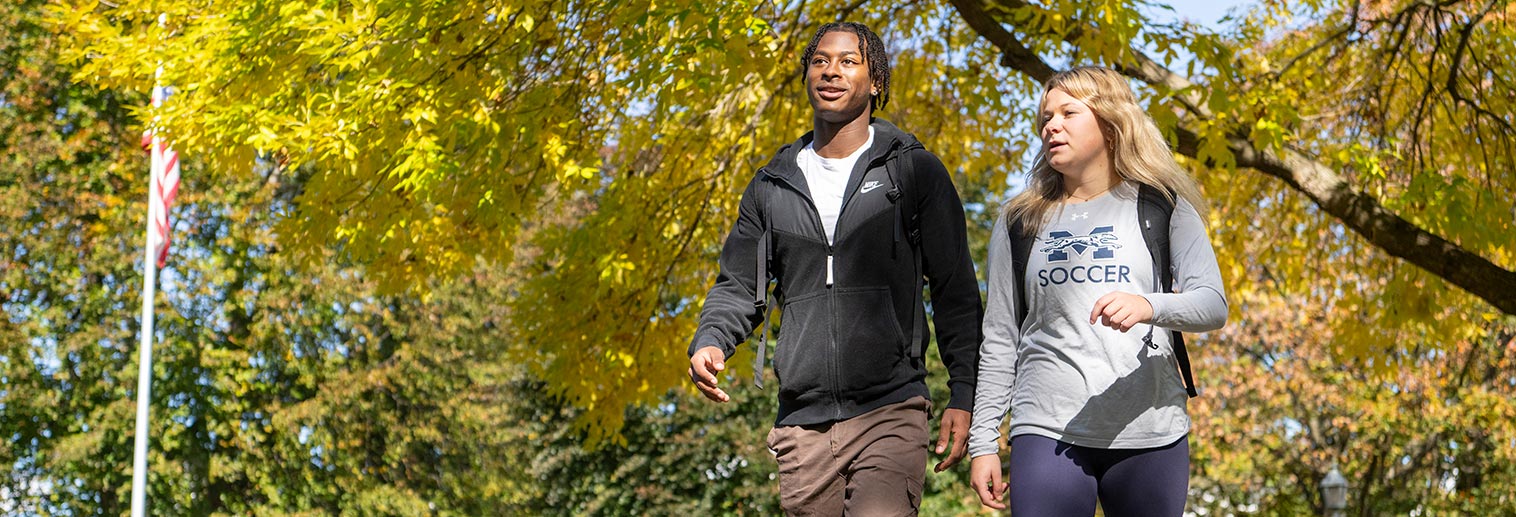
(145, 348)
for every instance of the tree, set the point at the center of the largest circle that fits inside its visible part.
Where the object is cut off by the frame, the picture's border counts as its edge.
(1282, 406)
(436, 132)
(67, 230)
(426, 157)
(682, 456)
(1360, 150)
(1263, 93)
(277, 390)
(393, 209)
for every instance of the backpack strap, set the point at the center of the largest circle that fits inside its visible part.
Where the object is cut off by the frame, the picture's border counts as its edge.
(761, 285)
(911, 230)
(1154, 213)
(1021, 252)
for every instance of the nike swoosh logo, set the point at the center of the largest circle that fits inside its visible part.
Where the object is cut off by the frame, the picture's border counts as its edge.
(869, 186)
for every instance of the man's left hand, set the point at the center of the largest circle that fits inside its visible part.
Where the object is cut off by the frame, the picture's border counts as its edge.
(955, 428)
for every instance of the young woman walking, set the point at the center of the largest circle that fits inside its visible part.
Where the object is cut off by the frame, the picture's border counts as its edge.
(1078, 333)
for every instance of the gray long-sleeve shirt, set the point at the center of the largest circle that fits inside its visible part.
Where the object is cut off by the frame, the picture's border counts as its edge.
(1090, 385)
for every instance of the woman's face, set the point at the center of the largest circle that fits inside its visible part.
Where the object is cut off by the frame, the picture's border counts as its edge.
(1071, 134)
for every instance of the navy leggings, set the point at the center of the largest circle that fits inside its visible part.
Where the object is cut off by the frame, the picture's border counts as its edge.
(1052, 478)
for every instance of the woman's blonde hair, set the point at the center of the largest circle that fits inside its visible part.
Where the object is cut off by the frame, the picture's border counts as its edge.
(1137, 149)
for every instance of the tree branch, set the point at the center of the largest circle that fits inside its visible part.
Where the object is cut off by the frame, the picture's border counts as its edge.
(1347, 29)
(1364, 214)
(1453, 76)
(1014, 53)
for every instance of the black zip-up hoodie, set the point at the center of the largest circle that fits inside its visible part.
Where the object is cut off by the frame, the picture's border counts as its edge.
(844, 348)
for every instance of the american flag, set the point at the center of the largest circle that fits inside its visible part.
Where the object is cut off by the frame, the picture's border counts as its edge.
(164, 186)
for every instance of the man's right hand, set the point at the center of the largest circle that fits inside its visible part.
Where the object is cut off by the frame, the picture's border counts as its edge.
(704, 366)
(984, 475)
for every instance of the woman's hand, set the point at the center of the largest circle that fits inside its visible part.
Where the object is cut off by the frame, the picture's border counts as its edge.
(984, 474)
(1121, 311)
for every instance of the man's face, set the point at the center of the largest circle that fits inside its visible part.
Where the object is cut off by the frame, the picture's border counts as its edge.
(837, 79)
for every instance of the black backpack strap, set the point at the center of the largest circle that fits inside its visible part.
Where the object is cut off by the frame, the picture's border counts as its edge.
(1021, 252)
(911, 230)
(761, 286)
(1154, 213)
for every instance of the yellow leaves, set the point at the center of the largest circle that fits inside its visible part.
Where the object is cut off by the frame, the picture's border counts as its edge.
(615, 268)
(1364, 160)
(754, 25)
(566, 170)
(620, 138)
(624, 359)
(1269, 134)
(631, 253)
(263, 138)
(673, 230)
(1215, 150)
(553, 150)
(422, 113)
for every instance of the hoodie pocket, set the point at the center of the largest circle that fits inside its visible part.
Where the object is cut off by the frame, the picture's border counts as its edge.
(800, 358)
(871, 346)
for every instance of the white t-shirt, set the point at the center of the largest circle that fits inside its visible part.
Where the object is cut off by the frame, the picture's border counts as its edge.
(827, 179)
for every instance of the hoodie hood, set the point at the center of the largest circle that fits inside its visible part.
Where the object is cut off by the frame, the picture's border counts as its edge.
(888, 140)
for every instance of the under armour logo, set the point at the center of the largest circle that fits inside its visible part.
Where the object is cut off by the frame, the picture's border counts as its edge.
(1102, 239)
(1076, 217)
(870, 186)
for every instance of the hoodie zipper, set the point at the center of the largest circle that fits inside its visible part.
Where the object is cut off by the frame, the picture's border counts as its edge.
(831, 300)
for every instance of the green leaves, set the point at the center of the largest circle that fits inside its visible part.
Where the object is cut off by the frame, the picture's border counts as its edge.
(390, 201)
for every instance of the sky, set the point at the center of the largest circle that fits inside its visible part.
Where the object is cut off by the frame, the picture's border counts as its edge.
(1204, 11)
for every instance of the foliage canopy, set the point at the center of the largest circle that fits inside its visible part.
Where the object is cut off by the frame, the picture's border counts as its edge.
(386, 201)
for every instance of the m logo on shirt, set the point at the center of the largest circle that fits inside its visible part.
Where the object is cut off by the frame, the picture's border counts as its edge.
(1102, 239)
(1104, 243)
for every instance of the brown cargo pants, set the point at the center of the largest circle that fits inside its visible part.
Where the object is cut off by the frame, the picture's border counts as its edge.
(868, 465)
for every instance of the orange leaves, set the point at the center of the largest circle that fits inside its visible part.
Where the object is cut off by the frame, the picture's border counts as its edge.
(1287, 396)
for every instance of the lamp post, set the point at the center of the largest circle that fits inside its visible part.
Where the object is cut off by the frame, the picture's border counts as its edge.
(1334, 493)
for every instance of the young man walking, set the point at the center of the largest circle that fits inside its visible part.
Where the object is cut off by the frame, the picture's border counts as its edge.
(849, 220)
